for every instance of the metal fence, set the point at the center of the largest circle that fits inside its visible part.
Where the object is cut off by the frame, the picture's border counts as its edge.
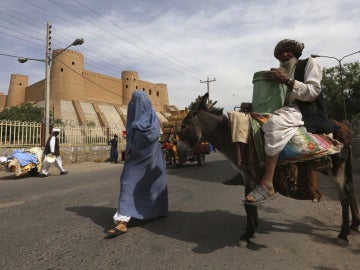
(30, 134)
(15, 133)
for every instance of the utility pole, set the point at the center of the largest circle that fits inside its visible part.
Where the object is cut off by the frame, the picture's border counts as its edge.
(47, 80)
(208, 82)
(48, 60)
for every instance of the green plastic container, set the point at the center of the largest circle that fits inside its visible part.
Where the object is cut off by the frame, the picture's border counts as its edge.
(268, 96)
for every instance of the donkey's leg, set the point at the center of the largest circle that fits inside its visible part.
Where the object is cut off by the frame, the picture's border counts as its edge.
(345, 227)
(337, 174)
(250, 185)
(252, 217)
(354, 209)
(350, 191)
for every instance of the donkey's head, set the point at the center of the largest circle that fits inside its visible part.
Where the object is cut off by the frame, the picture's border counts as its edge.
(191, 127)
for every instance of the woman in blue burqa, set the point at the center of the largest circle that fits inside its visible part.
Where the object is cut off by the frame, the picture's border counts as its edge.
(143, 187)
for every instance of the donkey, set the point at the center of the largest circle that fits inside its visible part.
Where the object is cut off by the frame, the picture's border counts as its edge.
(209, 122)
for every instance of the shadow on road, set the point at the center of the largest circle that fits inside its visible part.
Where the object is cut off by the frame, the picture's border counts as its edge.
(100, 215)
(210, 230)
(13, 177)
(202, 173)
(228, 173)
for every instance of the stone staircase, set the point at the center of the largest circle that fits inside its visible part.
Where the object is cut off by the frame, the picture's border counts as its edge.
(108, 115)
(112, 116)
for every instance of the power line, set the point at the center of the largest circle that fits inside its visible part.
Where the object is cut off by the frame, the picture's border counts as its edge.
(141, 56)
(142, 40)
(154, 54)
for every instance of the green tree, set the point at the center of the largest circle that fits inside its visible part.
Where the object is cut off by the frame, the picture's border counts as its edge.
(25, 112)
(353, 90)
(332, 85)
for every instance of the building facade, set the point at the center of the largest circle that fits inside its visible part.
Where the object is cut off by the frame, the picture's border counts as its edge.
(82, 97)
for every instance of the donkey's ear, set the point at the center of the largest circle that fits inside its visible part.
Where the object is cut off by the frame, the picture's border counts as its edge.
(204, 98)
(203, 101)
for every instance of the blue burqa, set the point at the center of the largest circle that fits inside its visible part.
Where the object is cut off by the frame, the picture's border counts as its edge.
(143, 187)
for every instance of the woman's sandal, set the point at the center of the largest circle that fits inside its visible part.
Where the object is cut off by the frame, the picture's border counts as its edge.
(260, 194)
(115, 231)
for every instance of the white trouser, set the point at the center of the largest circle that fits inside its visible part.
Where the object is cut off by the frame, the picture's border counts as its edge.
(58, 164)
(117, 218)
(280, 128)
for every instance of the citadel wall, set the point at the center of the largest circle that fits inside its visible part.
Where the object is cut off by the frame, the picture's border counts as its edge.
(16, 95)
(86, 91)
(101, 88)
(2, 101)
(36, 92)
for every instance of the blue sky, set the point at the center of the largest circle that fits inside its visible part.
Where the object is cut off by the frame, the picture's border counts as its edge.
(179, 43)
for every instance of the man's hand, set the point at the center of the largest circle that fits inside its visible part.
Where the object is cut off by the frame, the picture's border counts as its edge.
(277, 75)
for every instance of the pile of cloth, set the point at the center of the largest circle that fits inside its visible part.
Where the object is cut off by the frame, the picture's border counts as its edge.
(22, 161)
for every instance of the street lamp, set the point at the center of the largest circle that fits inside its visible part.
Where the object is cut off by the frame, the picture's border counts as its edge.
(340, 73)
(78, 41)
(47, 61)
(25, 59)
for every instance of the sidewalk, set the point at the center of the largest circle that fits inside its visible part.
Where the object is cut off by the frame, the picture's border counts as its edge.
(74, 167)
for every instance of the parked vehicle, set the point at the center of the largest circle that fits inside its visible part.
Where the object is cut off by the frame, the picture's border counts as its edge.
(185, 154)
(168, 154)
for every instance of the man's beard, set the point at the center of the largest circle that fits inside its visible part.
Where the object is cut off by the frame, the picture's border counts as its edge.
(289, 65)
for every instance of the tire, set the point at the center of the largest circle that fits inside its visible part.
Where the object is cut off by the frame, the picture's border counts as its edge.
(164, 155)
(200, 159)
(169, 158)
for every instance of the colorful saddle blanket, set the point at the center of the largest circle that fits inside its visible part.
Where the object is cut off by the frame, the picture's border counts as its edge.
(301, 147)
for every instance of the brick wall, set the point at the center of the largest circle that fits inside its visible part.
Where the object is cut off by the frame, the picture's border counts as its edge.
(77, 154)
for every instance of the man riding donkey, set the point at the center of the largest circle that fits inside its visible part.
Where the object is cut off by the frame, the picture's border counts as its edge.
(304, 106)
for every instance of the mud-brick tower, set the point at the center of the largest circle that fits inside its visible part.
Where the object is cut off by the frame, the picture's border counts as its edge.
(2, 100)
(160, 98)
(157, 92)
(67, 82)
(80, 96)
(130, 83)
(16, 93)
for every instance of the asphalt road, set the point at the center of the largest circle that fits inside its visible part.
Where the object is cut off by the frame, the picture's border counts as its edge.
(59, 222)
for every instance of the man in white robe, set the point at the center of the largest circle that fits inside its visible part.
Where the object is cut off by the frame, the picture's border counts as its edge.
(283, 123)
(52, 148)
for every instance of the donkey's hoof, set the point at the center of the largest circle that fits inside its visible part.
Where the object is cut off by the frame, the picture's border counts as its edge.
(342, 242)
(243, 243)
(245, 239)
